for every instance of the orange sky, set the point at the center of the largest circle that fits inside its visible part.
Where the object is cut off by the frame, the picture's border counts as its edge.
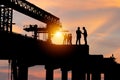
(100, 17)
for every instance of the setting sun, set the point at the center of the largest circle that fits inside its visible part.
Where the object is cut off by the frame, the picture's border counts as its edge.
(57, 38)
(58, 34)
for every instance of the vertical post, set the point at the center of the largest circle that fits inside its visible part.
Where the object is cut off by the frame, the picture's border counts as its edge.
(96, 76)
(78, 73)
(64, 74)
(13, 69)
(88, 76)
(0, 16)
(11, 20)
(23, 72)
(49, 73)
(49, 38)
(108, 76)
(3, 21)
(35, 31)
(49, 33)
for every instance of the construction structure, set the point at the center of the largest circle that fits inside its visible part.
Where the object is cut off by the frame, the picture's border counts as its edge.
(76, 58)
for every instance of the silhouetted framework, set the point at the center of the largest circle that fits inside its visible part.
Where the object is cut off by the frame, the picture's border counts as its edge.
(76, 58)
(5, 18)
(27, 8)
(35, 29)
(31, 10)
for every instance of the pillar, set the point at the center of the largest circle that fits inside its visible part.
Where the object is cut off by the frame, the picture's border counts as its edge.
(78, 73)
(23, 73)
(88, 76)
(96, 76)
(64, 74)
(49, 73)
(108, 76)
(14, 69)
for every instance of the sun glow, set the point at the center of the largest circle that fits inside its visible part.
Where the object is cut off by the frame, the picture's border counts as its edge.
(57, 38)
(58, 34)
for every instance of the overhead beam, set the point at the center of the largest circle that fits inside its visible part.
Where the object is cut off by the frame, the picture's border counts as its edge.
(31, 10)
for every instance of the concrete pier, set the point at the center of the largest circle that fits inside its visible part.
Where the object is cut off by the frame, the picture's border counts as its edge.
(96, 76)
(64, 74)
(49, 73)
(66, 57)
(23, 73)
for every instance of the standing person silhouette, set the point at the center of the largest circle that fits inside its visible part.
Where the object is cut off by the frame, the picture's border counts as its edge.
(70, 36)
(70, 39)
(78, 33)
(85, 35)
(65, 39)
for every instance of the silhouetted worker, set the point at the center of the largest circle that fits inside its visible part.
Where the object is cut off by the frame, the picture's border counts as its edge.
(25, 35)
(85, 35)
(70, 37)
(78, 33)
(65, 39)
(112, 57)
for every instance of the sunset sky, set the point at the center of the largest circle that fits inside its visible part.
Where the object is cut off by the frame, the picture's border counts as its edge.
(100, 17)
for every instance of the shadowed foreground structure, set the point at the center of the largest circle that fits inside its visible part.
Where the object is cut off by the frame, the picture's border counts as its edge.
(23, 52)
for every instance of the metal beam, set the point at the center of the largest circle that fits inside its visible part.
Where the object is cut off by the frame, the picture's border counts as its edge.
(31, 10)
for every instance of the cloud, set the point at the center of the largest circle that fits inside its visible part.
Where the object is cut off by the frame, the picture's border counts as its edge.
(37, 71)
(101, 18)
(107, 35)
(76, 4)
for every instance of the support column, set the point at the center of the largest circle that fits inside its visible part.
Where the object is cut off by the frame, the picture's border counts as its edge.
(64, 74)
(49, 73)
(112, 73)
(78, 74)
(88, 76)
(23, 73)
(14, 69)
(96, 76)
(108, 76)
